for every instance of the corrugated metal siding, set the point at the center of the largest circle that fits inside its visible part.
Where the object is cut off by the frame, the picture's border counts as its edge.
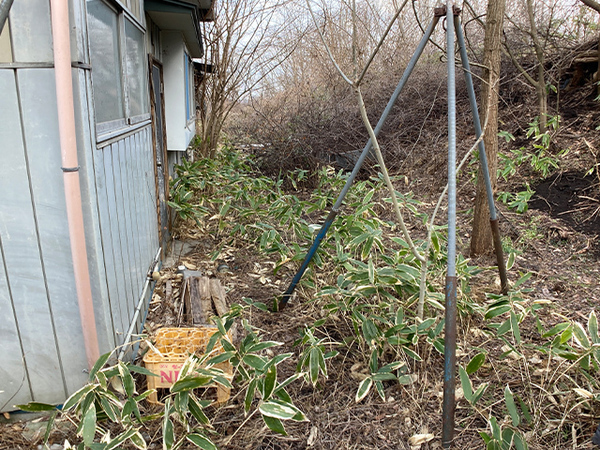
(126, 193)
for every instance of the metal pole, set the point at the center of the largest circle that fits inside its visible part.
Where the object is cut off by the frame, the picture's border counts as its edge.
(482, 157)
(280, 303)
(450, 294)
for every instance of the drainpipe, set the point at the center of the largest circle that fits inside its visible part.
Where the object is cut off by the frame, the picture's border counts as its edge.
(70, 167)
(4, 9)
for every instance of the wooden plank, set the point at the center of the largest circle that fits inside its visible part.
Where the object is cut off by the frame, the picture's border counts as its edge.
(13, 370)
(199, 300)
(38, 105)
(18, 232)
(217, 293)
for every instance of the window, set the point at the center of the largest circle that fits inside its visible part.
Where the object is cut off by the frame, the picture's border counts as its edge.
(190, 105)
(117, 53)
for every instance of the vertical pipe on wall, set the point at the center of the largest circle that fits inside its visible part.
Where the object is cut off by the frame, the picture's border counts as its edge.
(450, 294)
(68, 144)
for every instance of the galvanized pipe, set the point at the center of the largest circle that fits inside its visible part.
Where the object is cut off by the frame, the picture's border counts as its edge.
(482, 157)
(139, 305)
(4, 10)
(61, 40)
(450, 292)
(280, 303)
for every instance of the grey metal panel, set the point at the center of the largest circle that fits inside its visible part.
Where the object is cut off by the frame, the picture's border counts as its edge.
(31, 31)
(117, 149)
(131, 163)
(112, 257)
(18, 231)
(40, 124)
(15, 381)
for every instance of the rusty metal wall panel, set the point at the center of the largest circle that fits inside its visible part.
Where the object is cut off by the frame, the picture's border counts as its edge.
(22, 257)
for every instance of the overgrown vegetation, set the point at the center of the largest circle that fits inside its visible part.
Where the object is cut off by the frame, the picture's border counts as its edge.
(365, 281)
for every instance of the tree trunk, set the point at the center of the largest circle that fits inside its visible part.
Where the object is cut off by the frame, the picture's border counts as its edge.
(540, 88)
(481, 239)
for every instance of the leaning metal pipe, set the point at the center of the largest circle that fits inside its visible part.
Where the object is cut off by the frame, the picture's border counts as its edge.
(482, 157)
(59, 11)
(280, 303)
(4, 10)
(450, 293)
(138, 309)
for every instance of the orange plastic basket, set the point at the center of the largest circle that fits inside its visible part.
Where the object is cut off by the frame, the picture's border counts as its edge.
(174, 346)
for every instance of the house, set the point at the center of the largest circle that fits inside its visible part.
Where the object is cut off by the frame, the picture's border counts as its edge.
(84, 177)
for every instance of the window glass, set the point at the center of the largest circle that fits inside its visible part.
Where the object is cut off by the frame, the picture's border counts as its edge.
(189, 86)
(136, 70)
(104, 53)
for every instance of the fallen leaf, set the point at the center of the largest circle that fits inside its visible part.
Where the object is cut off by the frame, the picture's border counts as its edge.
(419, 439)
(312, 437)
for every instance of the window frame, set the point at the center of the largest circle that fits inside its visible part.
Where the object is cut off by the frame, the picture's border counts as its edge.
(111, 128)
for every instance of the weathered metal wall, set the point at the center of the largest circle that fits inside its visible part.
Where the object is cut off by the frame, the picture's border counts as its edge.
(42, 356)
(126, 192)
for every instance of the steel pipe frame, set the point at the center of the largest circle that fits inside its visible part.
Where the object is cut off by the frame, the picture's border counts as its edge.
(453, 27)
(449, 400)
(285, 297)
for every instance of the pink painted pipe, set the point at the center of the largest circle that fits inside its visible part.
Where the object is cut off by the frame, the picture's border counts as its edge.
(68, 143)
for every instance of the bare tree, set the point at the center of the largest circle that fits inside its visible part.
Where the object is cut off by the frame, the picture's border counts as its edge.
(481, 238)
(244, 45)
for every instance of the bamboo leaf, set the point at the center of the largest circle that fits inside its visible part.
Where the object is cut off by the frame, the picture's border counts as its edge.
(36, 407)
(465, 382)
(593, 327)
(201, 441)
(137, 440)
(514, 324)
(275, 425)
(475, 363)
(363, 389)
(99, 365)
(511, 406)
(88, 427)
(269, 382)
(189, 383)
(277, 410)
(76, 397)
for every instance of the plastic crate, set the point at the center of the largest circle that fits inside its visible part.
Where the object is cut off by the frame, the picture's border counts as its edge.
(175, 345)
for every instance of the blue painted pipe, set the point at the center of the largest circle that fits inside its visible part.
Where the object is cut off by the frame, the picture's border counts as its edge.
(449, 401)
(285, 297)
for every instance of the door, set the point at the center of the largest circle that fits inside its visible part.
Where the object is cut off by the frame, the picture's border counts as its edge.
(160, 151)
